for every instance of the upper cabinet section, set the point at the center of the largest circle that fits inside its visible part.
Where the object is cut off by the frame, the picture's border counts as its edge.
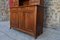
(23, 2)
(14, 3)
(17, 3)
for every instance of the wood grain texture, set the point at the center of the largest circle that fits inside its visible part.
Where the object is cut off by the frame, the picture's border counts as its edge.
(17, 3)
(28, 19)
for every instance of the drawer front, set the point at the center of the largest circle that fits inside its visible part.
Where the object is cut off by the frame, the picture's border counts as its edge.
(28, 9)
(29, 18)
(34, 2)
(13, 10)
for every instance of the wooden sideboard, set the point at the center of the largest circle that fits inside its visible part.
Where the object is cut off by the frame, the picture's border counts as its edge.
(27, 16)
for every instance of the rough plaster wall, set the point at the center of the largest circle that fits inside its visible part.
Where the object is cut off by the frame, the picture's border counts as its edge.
(52, 12)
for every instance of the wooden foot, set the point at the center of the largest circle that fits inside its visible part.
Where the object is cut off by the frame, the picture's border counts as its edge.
(10, 27)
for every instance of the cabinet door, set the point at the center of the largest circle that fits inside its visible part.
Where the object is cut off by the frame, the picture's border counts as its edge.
(14, 3)
(21, 19)
(14, 17)
(29, 18)
(11, 3)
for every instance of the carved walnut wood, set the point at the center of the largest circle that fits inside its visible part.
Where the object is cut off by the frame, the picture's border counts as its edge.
(27, 16)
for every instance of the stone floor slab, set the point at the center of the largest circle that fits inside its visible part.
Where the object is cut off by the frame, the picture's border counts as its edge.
(10, 34)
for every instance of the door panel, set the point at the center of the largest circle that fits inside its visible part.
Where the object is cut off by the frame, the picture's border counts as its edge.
(21, 19)
(29, 21)
(14, 19)
(29, 18)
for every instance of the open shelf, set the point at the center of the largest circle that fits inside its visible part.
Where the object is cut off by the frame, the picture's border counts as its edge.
(23, 2)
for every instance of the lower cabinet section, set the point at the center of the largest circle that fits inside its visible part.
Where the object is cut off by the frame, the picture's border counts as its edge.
(14, 19)
(27, 19)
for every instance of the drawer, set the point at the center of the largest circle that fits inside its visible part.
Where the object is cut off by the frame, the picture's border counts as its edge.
(19, 10)
(29, 9)
(34, 2)
(13, 10)
(15, 0)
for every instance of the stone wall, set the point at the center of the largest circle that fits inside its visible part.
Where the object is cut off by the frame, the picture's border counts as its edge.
(52, 12)
(4, 10)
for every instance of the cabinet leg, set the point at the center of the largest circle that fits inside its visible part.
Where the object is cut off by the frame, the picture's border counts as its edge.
(10, 27)
(35, 37)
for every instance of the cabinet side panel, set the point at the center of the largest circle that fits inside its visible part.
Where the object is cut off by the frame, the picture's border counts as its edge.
(42, 2)
(40, 18)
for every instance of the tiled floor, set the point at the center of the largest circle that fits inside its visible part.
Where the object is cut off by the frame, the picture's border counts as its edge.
(9, 34)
